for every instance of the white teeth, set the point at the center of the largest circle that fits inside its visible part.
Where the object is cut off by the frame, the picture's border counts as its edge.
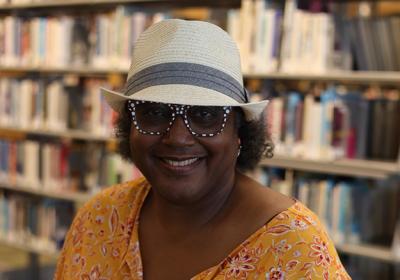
(181, 162)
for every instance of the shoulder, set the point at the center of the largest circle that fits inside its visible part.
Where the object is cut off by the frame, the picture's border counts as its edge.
(299, 241)
(296, 219)
(293, 245)
(115, 204)
(101, 229)
(118, 196)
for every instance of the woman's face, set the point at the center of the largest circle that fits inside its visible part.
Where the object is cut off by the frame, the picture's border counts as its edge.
(184, 168)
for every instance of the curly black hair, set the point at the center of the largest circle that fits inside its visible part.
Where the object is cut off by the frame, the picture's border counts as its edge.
(254, 139)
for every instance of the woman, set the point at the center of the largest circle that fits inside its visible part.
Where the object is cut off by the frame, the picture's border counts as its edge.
(187, 124)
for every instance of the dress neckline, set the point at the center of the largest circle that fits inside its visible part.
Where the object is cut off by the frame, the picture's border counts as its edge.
(134, 258)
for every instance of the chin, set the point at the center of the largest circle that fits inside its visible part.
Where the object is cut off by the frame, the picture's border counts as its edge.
(180, 192)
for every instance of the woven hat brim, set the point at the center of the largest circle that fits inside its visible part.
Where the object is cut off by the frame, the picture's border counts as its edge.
(184, 94)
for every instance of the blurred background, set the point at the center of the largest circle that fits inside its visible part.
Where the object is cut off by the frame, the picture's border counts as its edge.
(330, 68)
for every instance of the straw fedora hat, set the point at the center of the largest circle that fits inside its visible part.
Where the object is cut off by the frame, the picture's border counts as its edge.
(186, 62)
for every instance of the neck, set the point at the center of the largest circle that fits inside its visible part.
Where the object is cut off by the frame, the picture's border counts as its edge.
(208, 211)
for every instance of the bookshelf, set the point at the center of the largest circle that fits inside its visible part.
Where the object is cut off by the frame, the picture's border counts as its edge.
(45, 4)
(372, 169)
(375, 252)
(30, 245)
(80, 71)
(73, 3)
(76, 197)
(346, 167)
(359, 77)
(68, 134)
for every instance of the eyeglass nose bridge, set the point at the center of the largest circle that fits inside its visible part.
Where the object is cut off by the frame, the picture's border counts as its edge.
(180, 110)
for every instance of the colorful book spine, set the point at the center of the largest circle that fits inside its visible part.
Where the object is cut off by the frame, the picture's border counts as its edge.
(61, 167)
(55, 105)
(352, 210)
(100, 40)
(336, 123)
(43, 223)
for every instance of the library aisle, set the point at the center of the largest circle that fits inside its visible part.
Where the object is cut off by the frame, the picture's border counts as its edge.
(331, 70)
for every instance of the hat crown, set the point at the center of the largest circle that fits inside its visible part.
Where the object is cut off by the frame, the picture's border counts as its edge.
(197, 42)
(185, 62)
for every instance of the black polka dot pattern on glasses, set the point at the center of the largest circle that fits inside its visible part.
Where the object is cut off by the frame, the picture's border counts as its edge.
(177, 110)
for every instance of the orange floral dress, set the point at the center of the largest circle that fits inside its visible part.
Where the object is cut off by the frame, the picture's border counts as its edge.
(103, 244)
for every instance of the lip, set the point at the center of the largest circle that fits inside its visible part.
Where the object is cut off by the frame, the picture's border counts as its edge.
(180, 169)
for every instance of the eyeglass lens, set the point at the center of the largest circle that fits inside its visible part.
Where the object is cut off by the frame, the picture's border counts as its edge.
(158, 117)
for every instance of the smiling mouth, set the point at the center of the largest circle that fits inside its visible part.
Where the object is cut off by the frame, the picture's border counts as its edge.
(181, 163)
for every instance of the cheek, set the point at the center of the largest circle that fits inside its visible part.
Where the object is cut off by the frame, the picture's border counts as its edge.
(224, 147)
(133, 143)
(139, 146)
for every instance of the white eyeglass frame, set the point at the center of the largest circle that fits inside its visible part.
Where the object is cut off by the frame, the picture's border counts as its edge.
(177, 110)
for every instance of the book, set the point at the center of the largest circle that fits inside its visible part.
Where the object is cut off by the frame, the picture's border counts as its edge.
(373, 42)
(327, 106)
(103, 39)
(291, 131)
(352, 210)
(340, 129)
(308, 39)
(322, 42)
(391, 137)
(41, 222)
(377, 128)
(286, 59)
(256, 30)
(394, 26)
(335, 122)
(56, 104)
(388, 53)
(357, 48)
(358, 119)
(61, 166)
(80, 44)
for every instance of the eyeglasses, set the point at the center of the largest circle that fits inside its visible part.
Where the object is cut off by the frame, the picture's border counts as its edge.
(157, 118)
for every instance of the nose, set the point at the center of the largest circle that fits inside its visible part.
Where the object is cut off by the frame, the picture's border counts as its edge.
(179, 134)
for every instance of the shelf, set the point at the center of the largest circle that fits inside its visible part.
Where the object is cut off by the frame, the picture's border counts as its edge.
(77, 197)
(69, 134)
(106, 3)
(31, 245)
(349, 167)
(81, 70)
(364, 77)
(371, 251)
(66, 3)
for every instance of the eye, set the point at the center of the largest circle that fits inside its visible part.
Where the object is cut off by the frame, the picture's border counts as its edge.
(155, 110)
(204, 113)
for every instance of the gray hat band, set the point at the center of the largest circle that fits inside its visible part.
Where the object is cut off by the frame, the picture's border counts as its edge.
(188, 74)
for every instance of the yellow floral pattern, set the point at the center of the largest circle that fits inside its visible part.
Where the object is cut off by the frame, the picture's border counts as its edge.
(103, 244)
